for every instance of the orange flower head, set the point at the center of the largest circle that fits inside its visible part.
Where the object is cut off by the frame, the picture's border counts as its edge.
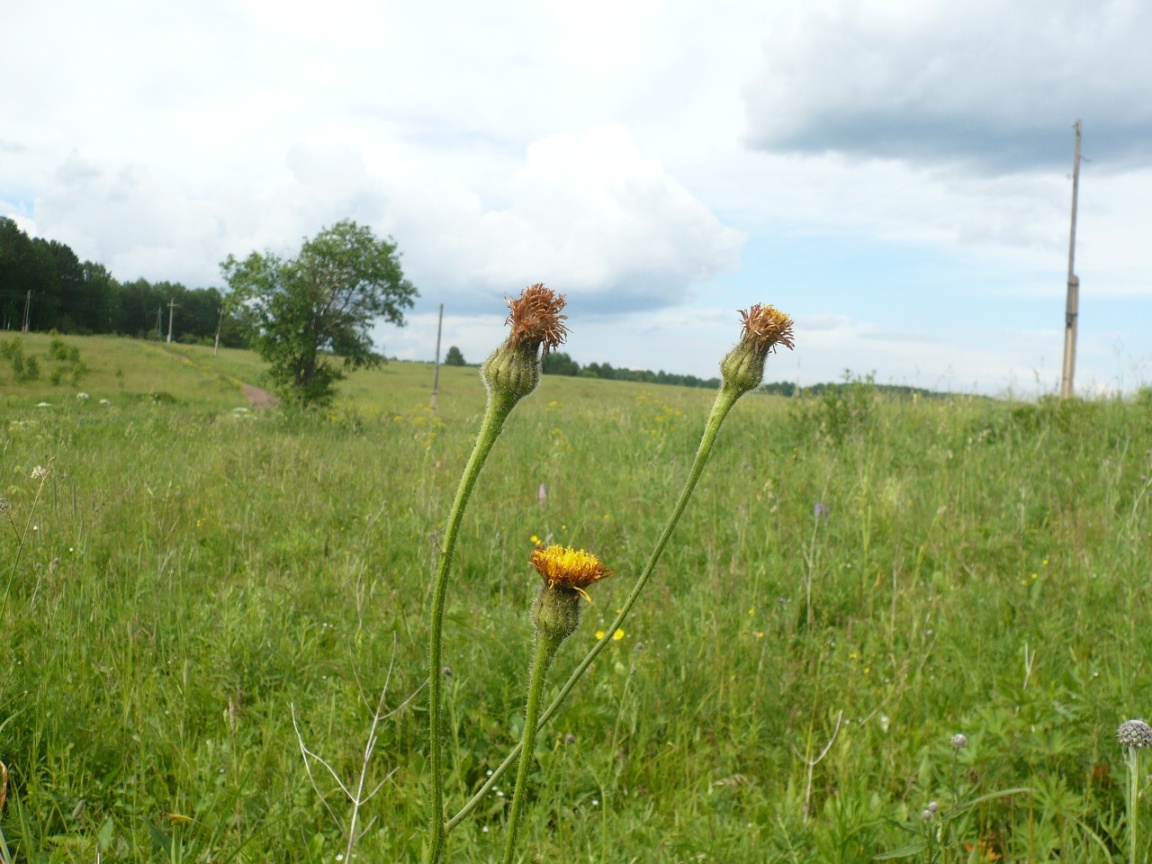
(535, 318)
(765, 327)
(568, 567)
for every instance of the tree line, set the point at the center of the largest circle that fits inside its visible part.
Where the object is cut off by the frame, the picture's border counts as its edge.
(45, 286)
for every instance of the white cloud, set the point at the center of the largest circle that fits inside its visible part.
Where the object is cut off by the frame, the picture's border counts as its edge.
(986, 83)
(592, 214)
(588, 213)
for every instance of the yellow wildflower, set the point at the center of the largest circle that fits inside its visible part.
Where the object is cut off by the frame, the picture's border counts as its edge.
(568, 567)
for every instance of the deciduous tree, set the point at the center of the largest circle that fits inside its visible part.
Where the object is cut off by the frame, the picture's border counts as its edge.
(321, 305)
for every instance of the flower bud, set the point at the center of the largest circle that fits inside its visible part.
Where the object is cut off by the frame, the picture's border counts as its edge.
(1135, 734)
(513, 372)
(556, 613)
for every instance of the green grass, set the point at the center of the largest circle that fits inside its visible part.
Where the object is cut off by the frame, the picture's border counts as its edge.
(190, 573)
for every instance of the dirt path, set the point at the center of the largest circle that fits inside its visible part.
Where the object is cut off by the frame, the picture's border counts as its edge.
(259, 398)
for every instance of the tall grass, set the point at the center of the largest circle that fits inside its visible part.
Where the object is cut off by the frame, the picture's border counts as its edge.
(192, 573)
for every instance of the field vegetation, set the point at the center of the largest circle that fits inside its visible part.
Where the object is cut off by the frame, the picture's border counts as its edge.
(191, 587)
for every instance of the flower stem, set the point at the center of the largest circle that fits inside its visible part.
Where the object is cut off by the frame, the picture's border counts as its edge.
(1133, 761)
(499, 407)
(725, 399)
(544, 650)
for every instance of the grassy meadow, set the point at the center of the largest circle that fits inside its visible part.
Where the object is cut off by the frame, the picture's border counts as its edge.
(857, 579)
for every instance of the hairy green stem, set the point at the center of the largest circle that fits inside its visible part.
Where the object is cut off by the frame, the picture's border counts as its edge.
(499, 407)
(725, 399)
(544, 651)
(1133, 760)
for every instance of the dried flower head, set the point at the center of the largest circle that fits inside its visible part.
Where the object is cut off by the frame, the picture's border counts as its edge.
(535, 318)
(513, 370)
(5, 506)
(568, 567)
(765, 327)
(959, 741)
(1135, 734)
(39, 472)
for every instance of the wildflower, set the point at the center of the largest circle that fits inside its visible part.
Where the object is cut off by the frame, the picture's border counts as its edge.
(566, 573)
(513, 369)
(820, 510)
(39, 472)
(765, 327)
(568, 567)
(959, 741)
(5, 506)
(82, 396)
(1135, 734)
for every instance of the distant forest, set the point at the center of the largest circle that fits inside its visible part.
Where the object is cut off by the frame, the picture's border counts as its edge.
(44, 286)
(562, 364)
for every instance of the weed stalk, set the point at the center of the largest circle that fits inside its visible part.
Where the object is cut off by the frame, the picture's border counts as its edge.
(743, 370)
(510, 373)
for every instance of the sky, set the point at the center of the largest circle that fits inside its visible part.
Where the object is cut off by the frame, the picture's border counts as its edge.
(893, 174)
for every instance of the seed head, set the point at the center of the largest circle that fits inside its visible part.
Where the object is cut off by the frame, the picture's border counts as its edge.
(535, 318)
(1135, 734)
(959, 741)
(513, 370)
(764, 328)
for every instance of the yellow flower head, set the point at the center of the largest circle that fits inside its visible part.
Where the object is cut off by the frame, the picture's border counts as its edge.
(568, 567)
(765, 327)
(535, 318)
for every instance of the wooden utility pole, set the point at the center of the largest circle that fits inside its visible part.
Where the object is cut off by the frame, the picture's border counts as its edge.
(27, 311)
(171, 309)
(436, 373)
(1072, 306)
